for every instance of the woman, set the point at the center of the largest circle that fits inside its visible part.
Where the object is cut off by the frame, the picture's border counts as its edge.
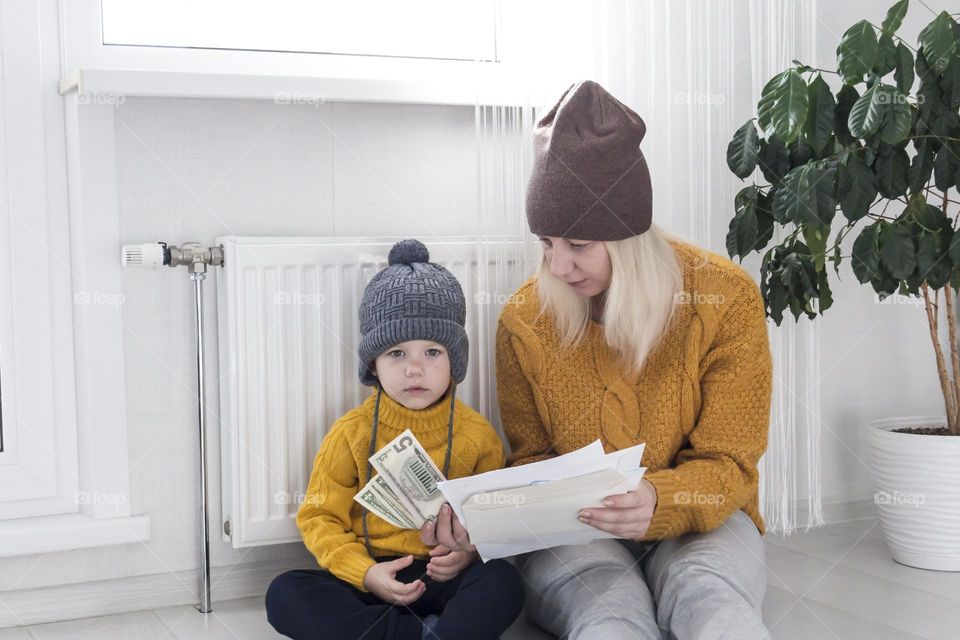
(628, 335)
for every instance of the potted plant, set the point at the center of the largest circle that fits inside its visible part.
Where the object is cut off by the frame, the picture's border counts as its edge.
(884, 150)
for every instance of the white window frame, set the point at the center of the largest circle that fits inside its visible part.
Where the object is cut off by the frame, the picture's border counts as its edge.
(64, 481)
(93, 68)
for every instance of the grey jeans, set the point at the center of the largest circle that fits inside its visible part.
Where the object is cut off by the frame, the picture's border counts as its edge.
(706, 586)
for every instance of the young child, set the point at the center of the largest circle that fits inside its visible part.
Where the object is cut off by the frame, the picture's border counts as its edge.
(379, 581)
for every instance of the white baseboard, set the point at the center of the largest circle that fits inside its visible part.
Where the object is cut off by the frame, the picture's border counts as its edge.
(138, 593)
(837, 510)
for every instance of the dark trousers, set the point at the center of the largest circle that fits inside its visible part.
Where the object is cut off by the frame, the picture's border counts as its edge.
(479, 604)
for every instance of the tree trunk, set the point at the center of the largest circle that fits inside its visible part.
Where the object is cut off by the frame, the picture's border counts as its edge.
(947, 386)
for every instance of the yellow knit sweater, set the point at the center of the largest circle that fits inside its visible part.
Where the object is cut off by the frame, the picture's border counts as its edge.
(701, 403)
(330, 520)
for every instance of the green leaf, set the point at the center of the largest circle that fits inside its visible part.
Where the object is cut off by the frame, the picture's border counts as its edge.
(891, 167)
(937, 41)
(800, 153)
(862, 192)
(865, 256)
(743, 232)
(897, 252)
(950, 82)
(819, 124)
(823, 289)
(774, 159)
(816, 239)
(789, 108)
(806, 196)
(922, 166)
(857, 52)
(899, 116)
(928, 218)
(867, 114)
(903, 74)
(884, 109)
(886, 56)
(764, 221)
(767, 100)
(744, 150)
(846, 98)
(933, 264)
(946, 168)
(895, 16)
(954, 250)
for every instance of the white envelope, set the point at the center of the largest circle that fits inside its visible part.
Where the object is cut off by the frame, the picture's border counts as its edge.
(535, 506)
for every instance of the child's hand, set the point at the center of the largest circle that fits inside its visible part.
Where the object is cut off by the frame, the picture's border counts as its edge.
(381, 581)
(446, 565)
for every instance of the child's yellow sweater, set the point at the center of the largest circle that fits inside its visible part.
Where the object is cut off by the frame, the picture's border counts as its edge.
(701, 403)
(330, 520)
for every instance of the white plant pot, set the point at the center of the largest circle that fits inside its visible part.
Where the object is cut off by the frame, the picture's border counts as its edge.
(917, 492)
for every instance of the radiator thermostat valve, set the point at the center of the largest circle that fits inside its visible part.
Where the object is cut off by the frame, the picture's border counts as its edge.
(156, 254)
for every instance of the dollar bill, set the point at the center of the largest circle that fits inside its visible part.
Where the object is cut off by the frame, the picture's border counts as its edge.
(371, 500)
(411, 474)
(388, 497)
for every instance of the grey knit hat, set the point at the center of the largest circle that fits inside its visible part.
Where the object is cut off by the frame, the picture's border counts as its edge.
(589, 179)
(412, 299)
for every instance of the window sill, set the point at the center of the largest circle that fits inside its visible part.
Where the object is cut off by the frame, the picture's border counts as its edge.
(488, 86)
(25, 536)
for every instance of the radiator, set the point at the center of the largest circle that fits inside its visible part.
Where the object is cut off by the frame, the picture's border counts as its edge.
(287, 333)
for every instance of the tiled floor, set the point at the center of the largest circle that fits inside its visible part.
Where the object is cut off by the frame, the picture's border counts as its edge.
(833, 583)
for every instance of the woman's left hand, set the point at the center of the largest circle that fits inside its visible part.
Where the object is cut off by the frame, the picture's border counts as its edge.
(626, 515)
(447, 532)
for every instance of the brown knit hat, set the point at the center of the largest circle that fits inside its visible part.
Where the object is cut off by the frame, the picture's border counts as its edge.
(589, 178)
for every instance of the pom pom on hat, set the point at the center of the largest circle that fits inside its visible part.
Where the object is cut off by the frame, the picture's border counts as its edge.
(408, 252)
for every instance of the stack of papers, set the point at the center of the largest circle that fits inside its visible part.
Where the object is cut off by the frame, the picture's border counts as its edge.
(536, 506)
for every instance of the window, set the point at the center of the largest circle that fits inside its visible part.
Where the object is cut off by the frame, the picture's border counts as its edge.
(436, 29)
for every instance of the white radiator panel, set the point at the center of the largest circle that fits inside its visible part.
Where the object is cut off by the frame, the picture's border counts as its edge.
(288, 330)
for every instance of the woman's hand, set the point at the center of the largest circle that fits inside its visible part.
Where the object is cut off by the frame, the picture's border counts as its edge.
(626, 515)
(447, 531)
(381, 581)
(446, 565)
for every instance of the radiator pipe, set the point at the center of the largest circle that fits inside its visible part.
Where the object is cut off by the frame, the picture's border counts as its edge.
(196, 258)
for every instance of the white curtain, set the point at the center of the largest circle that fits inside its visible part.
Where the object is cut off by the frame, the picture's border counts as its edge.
(693, 70)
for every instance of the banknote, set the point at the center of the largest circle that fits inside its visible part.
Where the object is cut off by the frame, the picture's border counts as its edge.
(371, 500)
(388, 497)
(412, 475)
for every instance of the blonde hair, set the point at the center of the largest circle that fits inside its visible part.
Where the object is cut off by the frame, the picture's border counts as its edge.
(639, 304)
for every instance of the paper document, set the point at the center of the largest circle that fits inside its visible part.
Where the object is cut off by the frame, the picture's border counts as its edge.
(535, 506)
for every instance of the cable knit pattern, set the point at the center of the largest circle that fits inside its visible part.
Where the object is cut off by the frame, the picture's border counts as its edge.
(701, 403)
(330, 520)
